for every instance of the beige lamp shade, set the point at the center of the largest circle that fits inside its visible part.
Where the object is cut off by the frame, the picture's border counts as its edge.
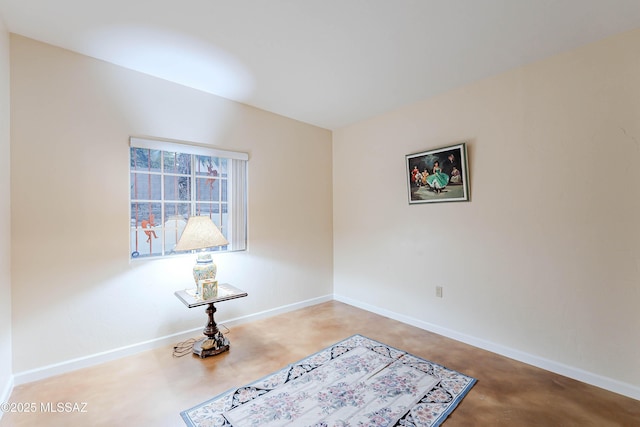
(199, 233)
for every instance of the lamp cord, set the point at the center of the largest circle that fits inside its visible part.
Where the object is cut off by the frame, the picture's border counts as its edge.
(185, 347)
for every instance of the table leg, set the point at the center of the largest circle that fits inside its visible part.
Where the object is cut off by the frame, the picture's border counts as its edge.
(215, 342)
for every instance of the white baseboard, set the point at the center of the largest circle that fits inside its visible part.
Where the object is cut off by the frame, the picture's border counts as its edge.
(540, 362)
(95, 359)
(606, 383)
(6, 392)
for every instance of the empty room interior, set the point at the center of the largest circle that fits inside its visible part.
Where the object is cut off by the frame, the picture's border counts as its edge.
(293, 128)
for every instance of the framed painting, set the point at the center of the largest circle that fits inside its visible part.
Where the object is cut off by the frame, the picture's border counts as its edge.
(439, 175)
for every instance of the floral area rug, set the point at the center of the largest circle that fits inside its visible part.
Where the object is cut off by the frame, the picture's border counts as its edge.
(357, 382)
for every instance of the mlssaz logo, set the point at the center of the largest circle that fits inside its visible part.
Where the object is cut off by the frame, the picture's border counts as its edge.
(63, 407)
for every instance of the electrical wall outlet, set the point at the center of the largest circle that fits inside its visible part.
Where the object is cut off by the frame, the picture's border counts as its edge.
(439, 291)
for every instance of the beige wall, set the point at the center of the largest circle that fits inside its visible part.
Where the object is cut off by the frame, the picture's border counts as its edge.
(74, 291)
(5, 217)
(545, 259)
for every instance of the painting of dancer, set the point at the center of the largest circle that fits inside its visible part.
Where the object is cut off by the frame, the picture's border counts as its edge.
(439, 175)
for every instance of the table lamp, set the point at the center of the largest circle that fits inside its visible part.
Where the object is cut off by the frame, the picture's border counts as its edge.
(201, 233)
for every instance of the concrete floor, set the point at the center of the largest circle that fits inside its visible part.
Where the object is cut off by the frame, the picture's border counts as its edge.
(152, 387)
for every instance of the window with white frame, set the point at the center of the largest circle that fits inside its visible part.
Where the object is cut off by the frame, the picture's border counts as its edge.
(172, 181)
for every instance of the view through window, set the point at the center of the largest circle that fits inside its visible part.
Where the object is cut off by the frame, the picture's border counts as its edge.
(171, 181)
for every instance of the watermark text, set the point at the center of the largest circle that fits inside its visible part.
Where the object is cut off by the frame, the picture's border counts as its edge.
(48, 407)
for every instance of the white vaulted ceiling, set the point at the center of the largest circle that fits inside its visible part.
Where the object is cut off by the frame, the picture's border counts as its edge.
(325, 62)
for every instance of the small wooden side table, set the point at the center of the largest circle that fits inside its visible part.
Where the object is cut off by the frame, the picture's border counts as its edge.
(214, 342)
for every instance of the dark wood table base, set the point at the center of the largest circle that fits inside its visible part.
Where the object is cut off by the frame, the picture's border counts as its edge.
(220, 345)
(214, 341)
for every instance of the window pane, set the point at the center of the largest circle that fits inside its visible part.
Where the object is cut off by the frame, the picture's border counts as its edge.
(212, 210)
(177, 188)
(175, 211)
(224, 164)
(145, 231)
(145, 186)
(207, 189)
(145, 160)
(209, 166)
(151, 212)
(177, 163)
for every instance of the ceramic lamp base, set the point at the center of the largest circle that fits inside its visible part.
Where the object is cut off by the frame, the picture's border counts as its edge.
(205, 269)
